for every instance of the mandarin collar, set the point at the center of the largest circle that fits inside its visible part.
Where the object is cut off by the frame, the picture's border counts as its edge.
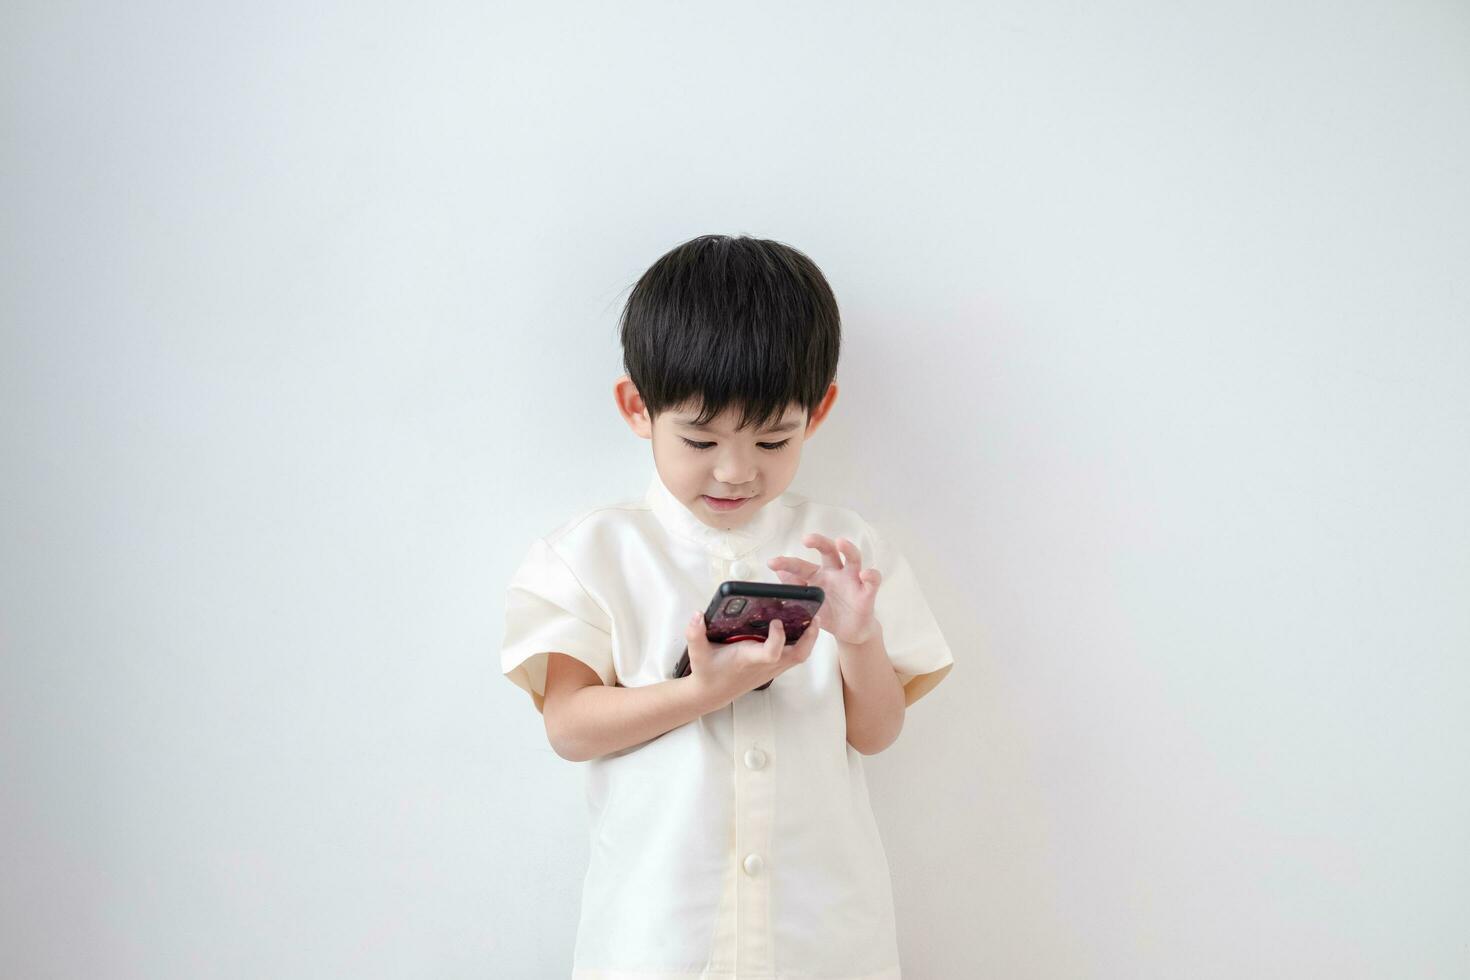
(681, 522)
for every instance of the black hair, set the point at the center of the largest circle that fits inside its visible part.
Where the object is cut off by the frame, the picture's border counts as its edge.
(731, 321)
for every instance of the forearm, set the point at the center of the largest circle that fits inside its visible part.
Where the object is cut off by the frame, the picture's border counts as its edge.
(600, 719)
(871, 693)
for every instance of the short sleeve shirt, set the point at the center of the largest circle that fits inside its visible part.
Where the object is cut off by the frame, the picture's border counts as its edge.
(742, 844)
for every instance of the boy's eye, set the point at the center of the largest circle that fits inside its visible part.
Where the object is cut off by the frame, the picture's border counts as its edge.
(767, 446)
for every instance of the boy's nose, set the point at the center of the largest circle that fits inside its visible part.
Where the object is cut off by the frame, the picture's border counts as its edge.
(737, 479)
(732, 472)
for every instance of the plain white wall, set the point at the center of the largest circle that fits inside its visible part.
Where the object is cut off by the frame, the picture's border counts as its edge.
(1155, 359)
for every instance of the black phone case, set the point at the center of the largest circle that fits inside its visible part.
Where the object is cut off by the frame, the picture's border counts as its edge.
(728, 619)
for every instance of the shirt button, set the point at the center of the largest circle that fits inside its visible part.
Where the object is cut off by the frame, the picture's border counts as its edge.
(753, 864)
(740, 569)
(755, 758)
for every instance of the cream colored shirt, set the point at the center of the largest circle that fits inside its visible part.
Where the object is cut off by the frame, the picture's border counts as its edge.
(740, 845)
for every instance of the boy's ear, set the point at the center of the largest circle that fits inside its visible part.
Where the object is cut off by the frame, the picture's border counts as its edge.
(823, 407)
(631, 407)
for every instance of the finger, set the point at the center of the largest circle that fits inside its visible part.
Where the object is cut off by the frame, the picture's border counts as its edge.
(851, 553)
(775, 639)
(796, 566)
(871, 576)
(830, 556)
(694, 633)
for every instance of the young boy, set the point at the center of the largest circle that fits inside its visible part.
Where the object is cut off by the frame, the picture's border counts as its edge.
(731, 834)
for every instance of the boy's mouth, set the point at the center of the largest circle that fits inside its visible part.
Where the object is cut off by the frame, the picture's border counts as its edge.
(724, 503)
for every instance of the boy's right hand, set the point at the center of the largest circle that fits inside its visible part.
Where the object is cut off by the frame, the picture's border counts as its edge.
(724, 671)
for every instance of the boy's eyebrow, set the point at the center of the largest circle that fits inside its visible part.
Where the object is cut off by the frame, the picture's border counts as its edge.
(783, 427)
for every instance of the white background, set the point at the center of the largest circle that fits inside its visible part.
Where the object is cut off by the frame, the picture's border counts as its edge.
(1155, 359)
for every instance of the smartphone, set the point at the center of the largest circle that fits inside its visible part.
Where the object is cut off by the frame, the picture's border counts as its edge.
(744, 610)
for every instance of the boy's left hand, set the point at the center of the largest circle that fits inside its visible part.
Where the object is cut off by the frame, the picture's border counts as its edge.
(849, 588)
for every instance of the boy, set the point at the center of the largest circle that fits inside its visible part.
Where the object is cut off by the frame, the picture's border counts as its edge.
(731, 834)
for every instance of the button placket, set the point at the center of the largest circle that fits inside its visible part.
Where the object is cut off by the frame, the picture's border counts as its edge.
(747, 926)
(754, 816)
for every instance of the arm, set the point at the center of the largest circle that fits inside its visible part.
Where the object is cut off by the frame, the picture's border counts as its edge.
(872, 695)
(586, 718)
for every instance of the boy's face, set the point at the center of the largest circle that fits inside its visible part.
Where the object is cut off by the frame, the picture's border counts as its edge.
(718, 462)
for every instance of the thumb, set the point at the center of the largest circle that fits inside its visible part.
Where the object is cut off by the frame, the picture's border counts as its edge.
(694, 631)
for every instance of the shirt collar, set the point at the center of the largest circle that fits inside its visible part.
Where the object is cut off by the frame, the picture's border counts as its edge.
(681, 522)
